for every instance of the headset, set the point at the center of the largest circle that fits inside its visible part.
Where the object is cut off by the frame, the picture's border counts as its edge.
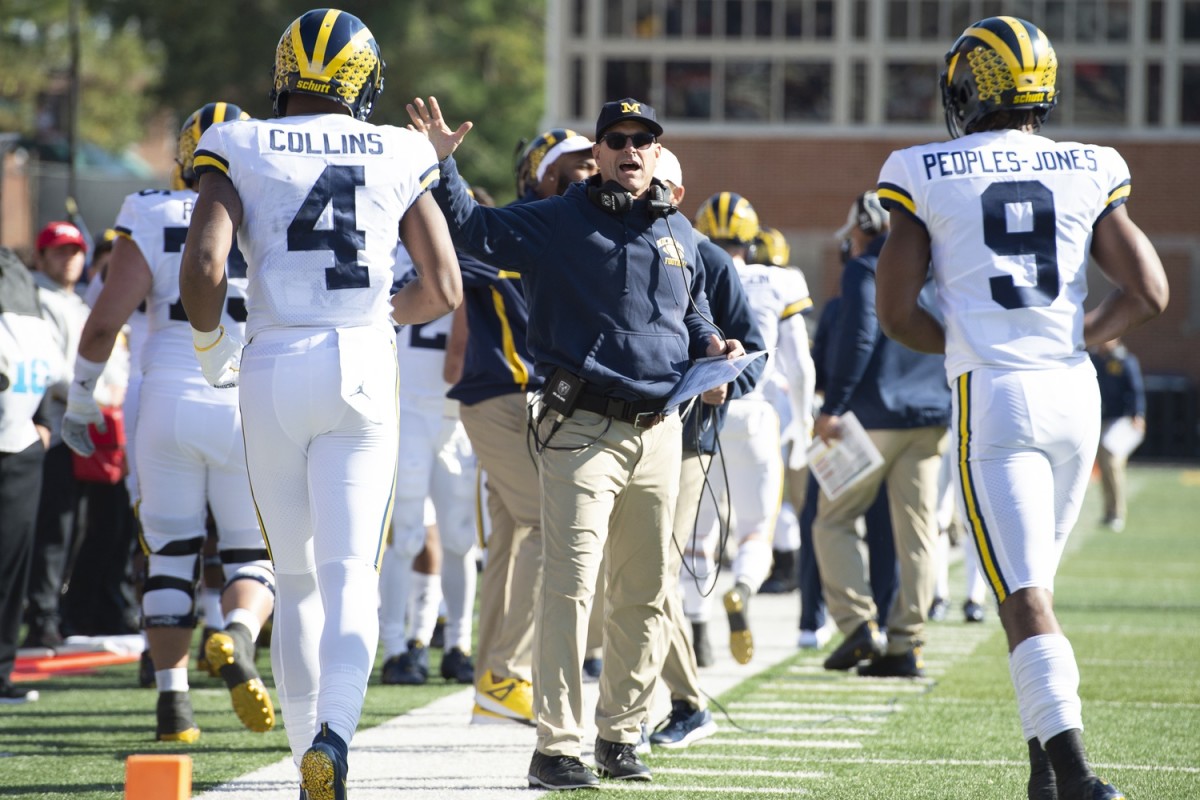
(613, 198)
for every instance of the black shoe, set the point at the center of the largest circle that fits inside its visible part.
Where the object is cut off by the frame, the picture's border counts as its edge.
(410, 668)
(1042, 784)
(11, 695)
(700, 644)
(591, 669)
(457, 666)
(620, 761)
(901, 665)
(938, 609)
(231, 653)
(42, 636)
(323, 768)
(784, 577)
(866, 642)
(972, 611)
(685, 725)
(737, 607)
(1091, 788)
(560, 772)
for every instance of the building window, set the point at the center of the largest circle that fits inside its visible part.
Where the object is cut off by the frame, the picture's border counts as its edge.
(1189, 100)
(910, 92)
(807, 92)
(1099, 94)
(748, 90)
(626, 78)
(689, 89)
(1154, 94)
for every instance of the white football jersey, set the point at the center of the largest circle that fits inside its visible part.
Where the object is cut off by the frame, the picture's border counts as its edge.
(777, 298)
(1010, 218)
(322, 198)
(156, 220)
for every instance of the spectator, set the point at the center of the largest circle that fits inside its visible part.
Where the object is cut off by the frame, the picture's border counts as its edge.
(1009, 251)
(1123, 402)
(30, 361)
(61, 253)
(900, 397)
(318, 379)
(612, 337)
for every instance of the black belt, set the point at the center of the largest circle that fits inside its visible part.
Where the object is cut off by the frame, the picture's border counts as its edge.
(638, 413)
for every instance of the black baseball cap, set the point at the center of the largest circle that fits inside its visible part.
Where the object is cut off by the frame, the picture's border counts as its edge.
(628, 108)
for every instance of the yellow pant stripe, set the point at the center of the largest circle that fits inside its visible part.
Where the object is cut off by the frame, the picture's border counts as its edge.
(974, 520)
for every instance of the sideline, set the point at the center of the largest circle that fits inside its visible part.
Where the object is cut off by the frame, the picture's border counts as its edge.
(434, 751)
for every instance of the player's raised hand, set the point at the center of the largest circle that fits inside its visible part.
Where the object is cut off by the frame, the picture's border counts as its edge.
(428, 119)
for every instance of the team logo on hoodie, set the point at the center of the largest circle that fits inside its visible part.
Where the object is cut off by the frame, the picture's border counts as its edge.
(672, 252)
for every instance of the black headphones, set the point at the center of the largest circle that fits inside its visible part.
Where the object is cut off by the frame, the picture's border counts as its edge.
(613, 198)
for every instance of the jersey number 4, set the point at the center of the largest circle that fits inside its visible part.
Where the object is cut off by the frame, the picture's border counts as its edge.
(334, 190)
(1039, 240)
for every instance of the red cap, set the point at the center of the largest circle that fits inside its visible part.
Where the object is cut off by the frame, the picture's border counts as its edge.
(58, 233)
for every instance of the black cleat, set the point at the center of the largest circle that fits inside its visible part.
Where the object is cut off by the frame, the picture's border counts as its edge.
(620, 761)
(323, 767)
(559, 773)
(410, 668)
(938, 609)
(685, 725)
(591, 669)
(1042, 784)
(145, 670)
(865, 643)
(457, 666)
(1091, 788)
(901, 665)
(174, 718)
(972, 611)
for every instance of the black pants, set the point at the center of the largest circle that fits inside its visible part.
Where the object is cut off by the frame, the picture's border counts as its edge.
(101, 599)
(881, 551)
(57, 513)
(20, 486)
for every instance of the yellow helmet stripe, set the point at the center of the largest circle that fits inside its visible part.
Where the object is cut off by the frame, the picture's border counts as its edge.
(1000, 46)
(1022, 39)
(723, 209)
(219, 112)
(323, 34)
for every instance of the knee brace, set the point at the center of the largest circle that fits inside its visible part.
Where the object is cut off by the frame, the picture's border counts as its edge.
(250, 564)
(169, 598)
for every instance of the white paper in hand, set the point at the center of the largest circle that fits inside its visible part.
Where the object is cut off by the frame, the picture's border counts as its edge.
(1122, 438)
(709, 373)
(846, 461)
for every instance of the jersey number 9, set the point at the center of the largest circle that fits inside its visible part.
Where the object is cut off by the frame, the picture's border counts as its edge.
(1040, 241)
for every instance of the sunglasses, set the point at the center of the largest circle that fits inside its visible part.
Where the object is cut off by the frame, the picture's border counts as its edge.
(641, 140)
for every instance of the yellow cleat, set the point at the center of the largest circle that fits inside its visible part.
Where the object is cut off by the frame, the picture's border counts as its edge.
(231, 651)
(741, 641)
(503, 699)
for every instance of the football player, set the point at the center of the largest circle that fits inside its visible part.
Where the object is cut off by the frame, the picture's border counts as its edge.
(1009, 218)
(749, 472)
(316, 198)
(189, 447)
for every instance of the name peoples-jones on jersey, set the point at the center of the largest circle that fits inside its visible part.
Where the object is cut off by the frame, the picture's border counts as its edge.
(325, 144)
(969, 162)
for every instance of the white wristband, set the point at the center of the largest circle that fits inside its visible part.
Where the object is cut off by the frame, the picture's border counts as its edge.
(87, 372)
(204, 340)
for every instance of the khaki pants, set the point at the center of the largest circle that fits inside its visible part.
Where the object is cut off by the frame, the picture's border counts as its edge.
(608, 494)
(512, 573)
(1112, 478)
(911, 460)
(679, 670)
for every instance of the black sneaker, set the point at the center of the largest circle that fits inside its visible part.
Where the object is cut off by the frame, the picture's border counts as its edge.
(1091, 788)
(700, 644)
(457, 666)
(410, 668)
(785, 574)
(972, 611)
(437, 639)
(737, 607)
(323, 768)
(900, 665)
(620, 761)
(560, 772)
(591, 669)
(938, 609)
(12, 695)
(866, 642)
(685, 725)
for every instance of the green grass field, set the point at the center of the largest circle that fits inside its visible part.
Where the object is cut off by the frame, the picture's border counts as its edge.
(1130, 603)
